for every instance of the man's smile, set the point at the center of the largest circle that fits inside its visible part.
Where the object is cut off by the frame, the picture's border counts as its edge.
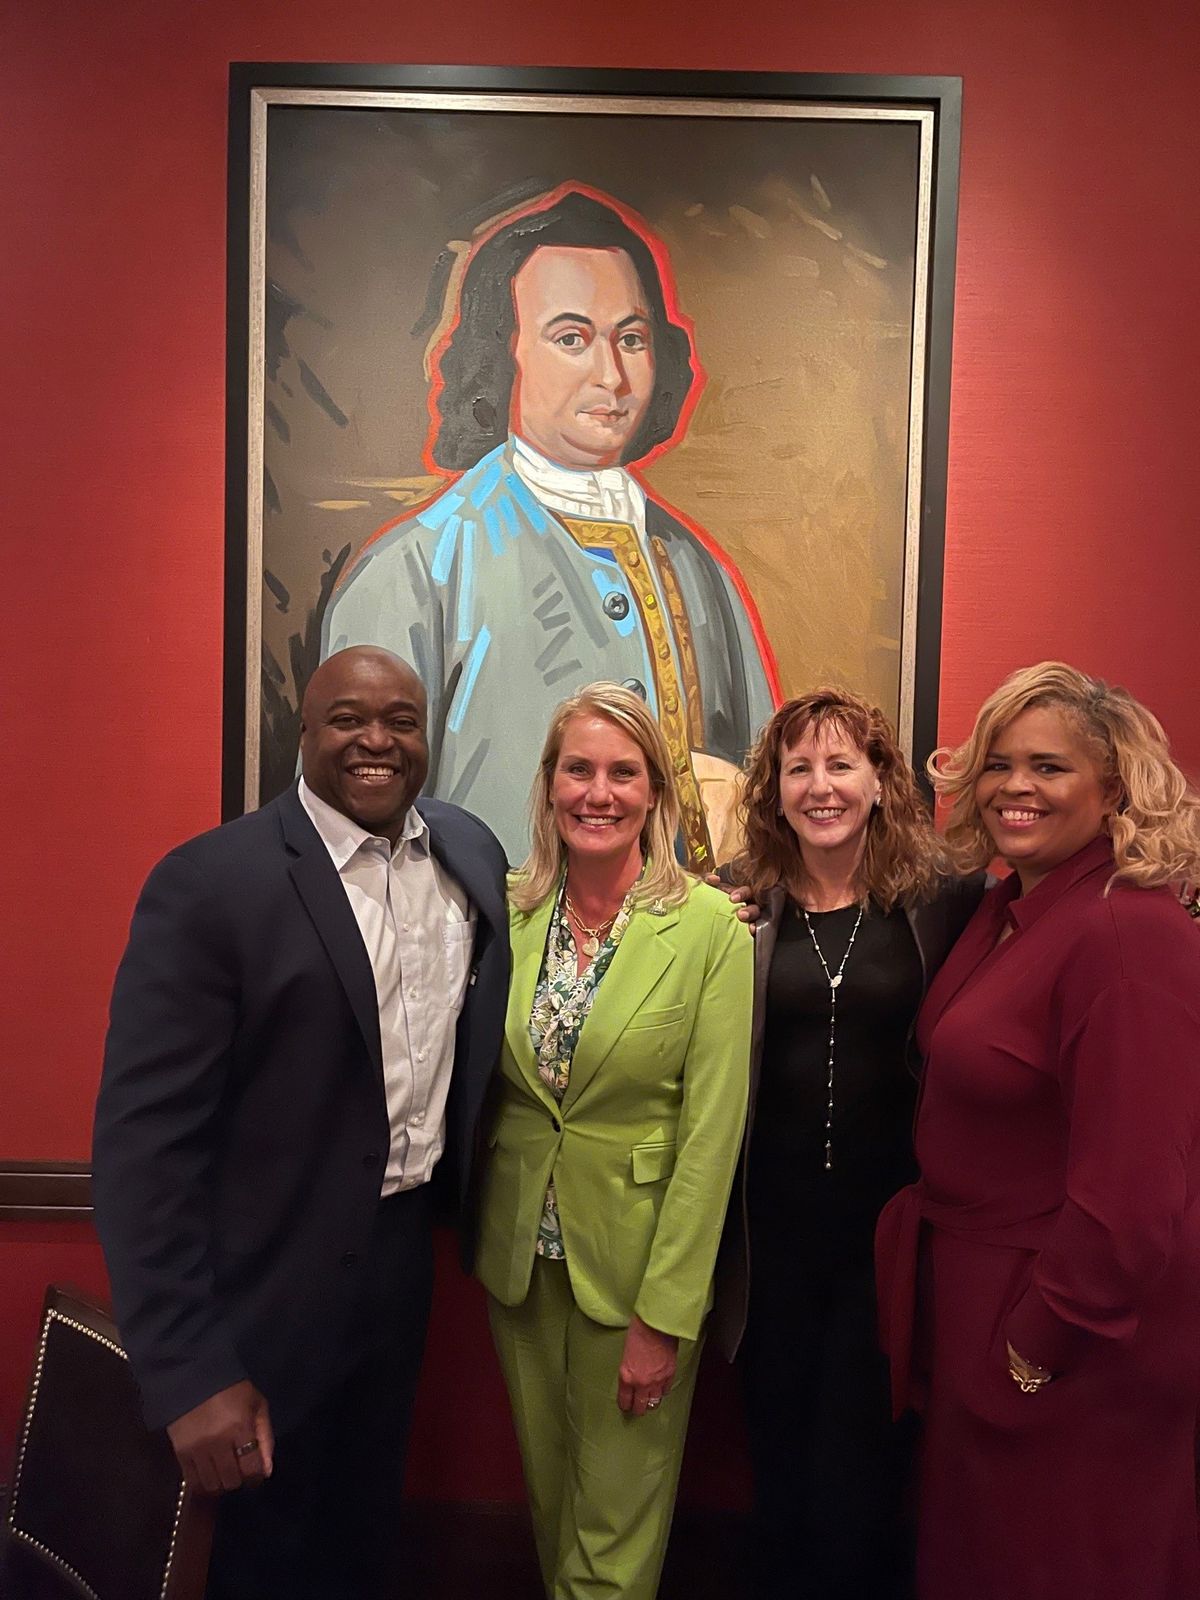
(373, 773)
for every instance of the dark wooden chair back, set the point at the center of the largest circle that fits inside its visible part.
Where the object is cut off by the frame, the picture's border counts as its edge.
(97, 1509)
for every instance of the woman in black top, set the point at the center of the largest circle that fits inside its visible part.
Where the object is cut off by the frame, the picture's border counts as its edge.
(860, 910)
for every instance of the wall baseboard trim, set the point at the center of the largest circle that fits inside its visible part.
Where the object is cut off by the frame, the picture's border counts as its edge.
(45, 1191)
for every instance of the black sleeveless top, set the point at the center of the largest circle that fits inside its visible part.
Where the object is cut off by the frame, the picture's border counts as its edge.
(791, 1195)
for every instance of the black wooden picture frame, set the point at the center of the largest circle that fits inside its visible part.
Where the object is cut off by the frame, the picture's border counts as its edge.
(260, 93)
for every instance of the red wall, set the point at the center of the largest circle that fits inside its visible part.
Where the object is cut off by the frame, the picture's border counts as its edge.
(1074, 472)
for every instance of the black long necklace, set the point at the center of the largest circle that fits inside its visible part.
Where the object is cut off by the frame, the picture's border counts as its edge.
(834, 980)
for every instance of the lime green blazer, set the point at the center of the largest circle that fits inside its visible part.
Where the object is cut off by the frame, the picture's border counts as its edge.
(644, 1145)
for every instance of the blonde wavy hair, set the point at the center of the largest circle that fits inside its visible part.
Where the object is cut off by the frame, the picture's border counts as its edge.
(664, 878)
(903, 859)
(1155, 824)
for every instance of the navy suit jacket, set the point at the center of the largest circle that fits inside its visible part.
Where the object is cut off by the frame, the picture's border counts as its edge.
(241, 1129)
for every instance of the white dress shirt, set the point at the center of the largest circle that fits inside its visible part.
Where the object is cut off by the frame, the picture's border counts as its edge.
(605, 494)
(419, 930)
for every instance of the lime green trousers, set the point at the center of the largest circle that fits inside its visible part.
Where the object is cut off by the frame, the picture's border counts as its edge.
(601, 1482)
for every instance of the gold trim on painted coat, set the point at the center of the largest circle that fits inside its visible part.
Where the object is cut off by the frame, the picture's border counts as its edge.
(621, 539)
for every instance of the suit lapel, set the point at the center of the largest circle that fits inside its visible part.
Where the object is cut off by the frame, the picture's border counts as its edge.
(324, 897)
(644, 954)
(528, 944)
(470, 870)
(766, 936)
(966, 962)
(926, 936)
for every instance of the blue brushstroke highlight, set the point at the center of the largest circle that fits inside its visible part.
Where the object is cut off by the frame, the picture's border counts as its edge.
(625, 625)
(474, 661)
(508, 515)
(466, 587)
(531, 507)
(443, 555)
(491, 526)
(487, 483)
(436, 513)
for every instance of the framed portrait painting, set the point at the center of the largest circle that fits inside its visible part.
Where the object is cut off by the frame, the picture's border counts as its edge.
(539, 377)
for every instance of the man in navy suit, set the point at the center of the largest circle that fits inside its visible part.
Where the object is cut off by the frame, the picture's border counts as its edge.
(303, 1026)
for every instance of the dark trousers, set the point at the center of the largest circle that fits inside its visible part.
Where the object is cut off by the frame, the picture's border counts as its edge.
(325, 1525)
(831, 1470)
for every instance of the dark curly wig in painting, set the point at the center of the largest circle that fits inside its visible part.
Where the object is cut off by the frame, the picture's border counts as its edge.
(476, 367)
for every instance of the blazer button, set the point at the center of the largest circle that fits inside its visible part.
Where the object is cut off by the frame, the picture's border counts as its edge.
(349, 1258)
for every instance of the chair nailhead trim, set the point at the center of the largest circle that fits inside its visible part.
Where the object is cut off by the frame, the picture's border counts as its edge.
(65, 1566)
(52, 1316)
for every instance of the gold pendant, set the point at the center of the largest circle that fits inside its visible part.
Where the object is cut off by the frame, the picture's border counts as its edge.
(590, 946)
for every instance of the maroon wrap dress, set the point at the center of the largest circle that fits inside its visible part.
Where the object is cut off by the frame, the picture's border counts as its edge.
(1058, 1135)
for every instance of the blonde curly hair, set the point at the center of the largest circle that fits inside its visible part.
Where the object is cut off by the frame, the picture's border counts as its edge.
(1155, 825)
(903, 859)
(664, 879)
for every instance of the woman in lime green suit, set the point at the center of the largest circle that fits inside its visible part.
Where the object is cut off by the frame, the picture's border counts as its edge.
(612, 1142)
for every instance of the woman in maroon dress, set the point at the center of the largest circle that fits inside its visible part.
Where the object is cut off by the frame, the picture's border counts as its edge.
(1040, 1286)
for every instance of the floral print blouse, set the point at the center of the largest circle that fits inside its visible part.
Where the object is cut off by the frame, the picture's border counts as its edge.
(561, 1003)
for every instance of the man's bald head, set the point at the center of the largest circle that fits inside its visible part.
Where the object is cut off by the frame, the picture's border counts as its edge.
(362, 737)
(330, 677)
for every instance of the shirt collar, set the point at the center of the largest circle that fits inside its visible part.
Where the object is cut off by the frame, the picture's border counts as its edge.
(342, 836)
(601, 491)
(1024, 910)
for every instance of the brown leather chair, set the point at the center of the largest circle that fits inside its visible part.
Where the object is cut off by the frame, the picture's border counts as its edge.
(97, 1509)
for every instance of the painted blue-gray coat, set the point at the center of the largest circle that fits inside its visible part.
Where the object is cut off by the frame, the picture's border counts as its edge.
(503, 614)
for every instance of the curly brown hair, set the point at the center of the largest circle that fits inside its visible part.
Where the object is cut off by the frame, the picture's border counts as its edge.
(903, 861)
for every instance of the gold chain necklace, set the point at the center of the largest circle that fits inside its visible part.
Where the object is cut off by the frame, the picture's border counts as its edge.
(594, 935)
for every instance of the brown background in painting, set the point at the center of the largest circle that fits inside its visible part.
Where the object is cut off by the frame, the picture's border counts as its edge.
(792, 244)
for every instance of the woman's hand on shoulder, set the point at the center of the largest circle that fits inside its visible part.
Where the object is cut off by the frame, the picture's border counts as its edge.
(647, 1368)
(748, 910)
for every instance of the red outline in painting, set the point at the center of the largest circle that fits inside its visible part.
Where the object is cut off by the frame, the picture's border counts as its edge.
(675, 315)
(727, 564)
